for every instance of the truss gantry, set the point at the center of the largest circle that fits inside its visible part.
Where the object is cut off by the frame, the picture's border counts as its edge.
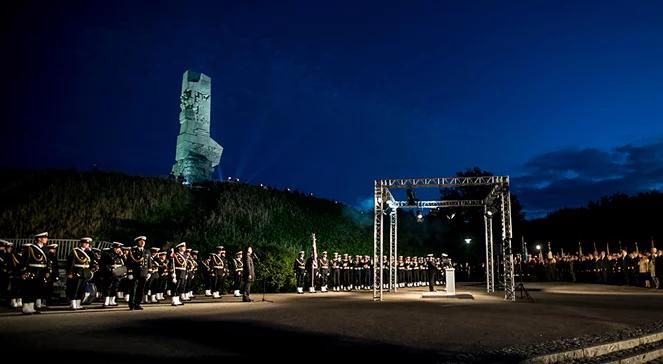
(496, 203)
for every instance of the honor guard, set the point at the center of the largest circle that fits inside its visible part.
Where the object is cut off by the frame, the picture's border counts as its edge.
(219, 271)
(346, 270)
(52, 274)
(300, 271)
(179, 273)
(192, 270)
(78, 273)
(138, 272)
(311, 270)
(206, 270)
(335, 272)
(163, 275)
(152, 282)
(14, 261)
(238, 267)
(4, 272)
(323, 264)
(112, 270)
(33, 273)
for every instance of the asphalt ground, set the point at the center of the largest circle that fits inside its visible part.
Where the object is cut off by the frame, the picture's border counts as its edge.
(327, 327)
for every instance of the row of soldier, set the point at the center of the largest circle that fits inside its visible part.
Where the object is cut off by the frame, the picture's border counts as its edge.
(137, 274)
(343, 273)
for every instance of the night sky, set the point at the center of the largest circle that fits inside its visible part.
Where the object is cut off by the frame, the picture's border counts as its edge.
(566, 97)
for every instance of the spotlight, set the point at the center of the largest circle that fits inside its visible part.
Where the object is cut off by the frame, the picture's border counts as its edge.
(420, 216)
(538, 247)
(468, 240)
(489, 213)
(451, 215)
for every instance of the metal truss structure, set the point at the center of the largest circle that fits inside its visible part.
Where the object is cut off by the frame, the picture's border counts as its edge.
(497, 202)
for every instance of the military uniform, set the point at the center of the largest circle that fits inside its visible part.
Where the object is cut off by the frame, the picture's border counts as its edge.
(53, 274)
(238, 267)
(111, 271)
(192, 270)
(179, 274)
(219, 271)
(33, 271)
(323, 264)
(78, 273)
(138, 271)
(300, 272)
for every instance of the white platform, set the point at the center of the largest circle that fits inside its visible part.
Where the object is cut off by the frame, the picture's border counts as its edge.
(444, 294)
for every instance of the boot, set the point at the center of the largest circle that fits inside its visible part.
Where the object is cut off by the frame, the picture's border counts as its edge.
(168, 293)
(183, 297)
(14, 303)
(191, 295)
(174, 301)
(323, 289)
(146, 299)
(79, 305)
(216, 295)
(208, 292)
(120, 295)
(154, 299)
(236, 293)
(311, 289)
(107, 301)
(73, 305)
(127, 298)
(26, 309)
(160, 296)
(112, 301)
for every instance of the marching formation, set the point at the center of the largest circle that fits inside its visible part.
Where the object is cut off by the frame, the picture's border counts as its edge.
(136, 274)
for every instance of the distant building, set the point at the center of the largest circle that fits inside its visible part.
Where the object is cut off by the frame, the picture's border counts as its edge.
(196, 153)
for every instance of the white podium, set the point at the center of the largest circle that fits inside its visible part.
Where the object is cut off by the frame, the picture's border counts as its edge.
(451, 280)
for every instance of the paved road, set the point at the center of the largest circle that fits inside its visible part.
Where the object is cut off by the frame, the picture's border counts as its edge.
(329, 327)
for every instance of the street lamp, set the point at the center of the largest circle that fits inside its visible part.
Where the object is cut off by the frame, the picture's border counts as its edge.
(538, 247)
(468, 240)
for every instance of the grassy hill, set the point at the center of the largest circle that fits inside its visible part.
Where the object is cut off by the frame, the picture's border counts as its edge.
(117, 207)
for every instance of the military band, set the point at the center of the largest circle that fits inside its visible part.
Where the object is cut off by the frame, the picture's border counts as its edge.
(143, 275)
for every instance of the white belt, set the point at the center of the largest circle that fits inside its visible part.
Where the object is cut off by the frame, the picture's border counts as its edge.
(180, 268)
(37, 265)
(82, 265)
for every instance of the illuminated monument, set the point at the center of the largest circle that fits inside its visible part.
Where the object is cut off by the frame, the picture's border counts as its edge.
(197, 153)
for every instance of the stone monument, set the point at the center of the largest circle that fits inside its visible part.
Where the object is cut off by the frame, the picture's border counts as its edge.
(196, 153)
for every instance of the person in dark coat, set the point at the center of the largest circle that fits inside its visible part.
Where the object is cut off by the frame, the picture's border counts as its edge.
(52, 275)
(138, 272)
(248, 274)
(432, 269)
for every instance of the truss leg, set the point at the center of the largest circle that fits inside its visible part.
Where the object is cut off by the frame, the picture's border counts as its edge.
(393, 250)
(507, 252)
(378, 261)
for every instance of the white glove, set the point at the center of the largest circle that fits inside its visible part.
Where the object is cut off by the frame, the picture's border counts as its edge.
(175, 280)
(148, 276)
(130, 277)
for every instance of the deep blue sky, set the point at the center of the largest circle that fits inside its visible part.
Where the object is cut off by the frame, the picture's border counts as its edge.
(566, 97)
